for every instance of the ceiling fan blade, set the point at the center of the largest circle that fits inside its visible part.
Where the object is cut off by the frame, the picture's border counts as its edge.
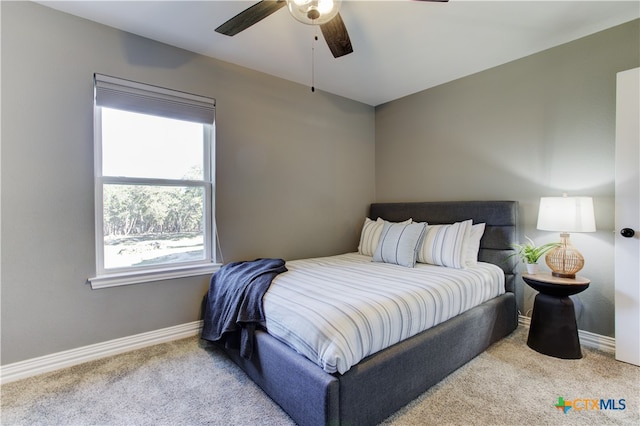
(250, 16)
(337, 37)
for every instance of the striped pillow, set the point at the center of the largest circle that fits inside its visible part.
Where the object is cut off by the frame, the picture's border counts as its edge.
(472, 246)
(444, 245)
(399, 243)
(370, 235)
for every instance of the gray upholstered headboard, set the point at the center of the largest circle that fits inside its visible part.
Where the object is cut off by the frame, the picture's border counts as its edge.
(500, 217)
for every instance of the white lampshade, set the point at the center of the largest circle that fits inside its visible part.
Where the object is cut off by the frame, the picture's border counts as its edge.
(314, 12)
(566, 214)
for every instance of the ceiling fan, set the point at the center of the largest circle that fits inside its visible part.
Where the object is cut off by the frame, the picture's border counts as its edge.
(324, 13)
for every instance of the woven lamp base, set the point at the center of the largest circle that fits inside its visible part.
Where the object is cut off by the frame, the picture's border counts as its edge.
(565, 261)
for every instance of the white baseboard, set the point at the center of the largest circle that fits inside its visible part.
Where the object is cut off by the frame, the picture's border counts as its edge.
(56, 361)
(588, 339)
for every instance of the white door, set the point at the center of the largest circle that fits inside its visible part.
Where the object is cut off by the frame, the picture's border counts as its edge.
(627, 217)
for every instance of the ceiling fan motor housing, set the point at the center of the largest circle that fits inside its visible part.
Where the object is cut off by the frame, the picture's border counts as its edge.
(313, 12)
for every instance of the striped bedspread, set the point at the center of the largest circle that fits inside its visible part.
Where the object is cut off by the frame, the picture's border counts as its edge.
(338, 310)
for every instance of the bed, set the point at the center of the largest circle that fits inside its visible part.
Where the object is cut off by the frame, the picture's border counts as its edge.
(384, 381)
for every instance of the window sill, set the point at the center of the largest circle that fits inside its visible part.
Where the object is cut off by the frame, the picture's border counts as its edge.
(129, 277)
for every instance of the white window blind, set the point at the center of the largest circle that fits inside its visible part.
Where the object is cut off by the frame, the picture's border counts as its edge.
(132, 96)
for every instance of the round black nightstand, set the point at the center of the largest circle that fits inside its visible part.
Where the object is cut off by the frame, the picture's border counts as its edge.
(553, 330)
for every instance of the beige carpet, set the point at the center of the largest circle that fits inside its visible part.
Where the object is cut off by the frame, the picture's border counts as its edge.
(184, 383)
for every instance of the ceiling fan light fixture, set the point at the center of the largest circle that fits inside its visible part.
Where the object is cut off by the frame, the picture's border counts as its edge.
(314, 12)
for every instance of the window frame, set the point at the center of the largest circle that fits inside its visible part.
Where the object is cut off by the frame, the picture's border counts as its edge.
(111, 277)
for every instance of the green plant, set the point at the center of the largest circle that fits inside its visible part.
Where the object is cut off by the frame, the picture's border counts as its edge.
(529, 252)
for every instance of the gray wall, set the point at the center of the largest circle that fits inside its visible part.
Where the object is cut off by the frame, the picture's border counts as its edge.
(283, 156)
(538, 126)
(534, 127)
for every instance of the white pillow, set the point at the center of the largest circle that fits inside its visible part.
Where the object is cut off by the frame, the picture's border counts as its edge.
(444, 245)
(472, 245)
(370, 235)
(399, 243)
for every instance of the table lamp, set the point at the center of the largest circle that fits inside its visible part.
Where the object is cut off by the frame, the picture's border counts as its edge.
(566, 214)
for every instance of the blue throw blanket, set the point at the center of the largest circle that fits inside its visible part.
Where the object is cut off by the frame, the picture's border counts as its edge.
(234, 301)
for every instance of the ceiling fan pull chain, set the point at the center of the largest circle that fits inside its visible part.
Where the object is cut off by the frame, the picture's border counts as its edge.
(313, 57)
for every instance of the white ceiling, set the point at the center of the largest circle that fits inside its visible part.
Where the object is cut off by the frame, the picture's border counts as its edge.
(400, 46)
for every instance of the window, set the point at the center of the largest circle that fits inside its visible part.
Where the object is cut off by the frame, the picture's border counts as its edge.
(154, 183)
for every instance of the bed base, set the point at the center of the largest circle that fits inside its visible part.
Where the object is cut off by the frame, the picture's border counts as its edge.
(386, 381)
(382, 383)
